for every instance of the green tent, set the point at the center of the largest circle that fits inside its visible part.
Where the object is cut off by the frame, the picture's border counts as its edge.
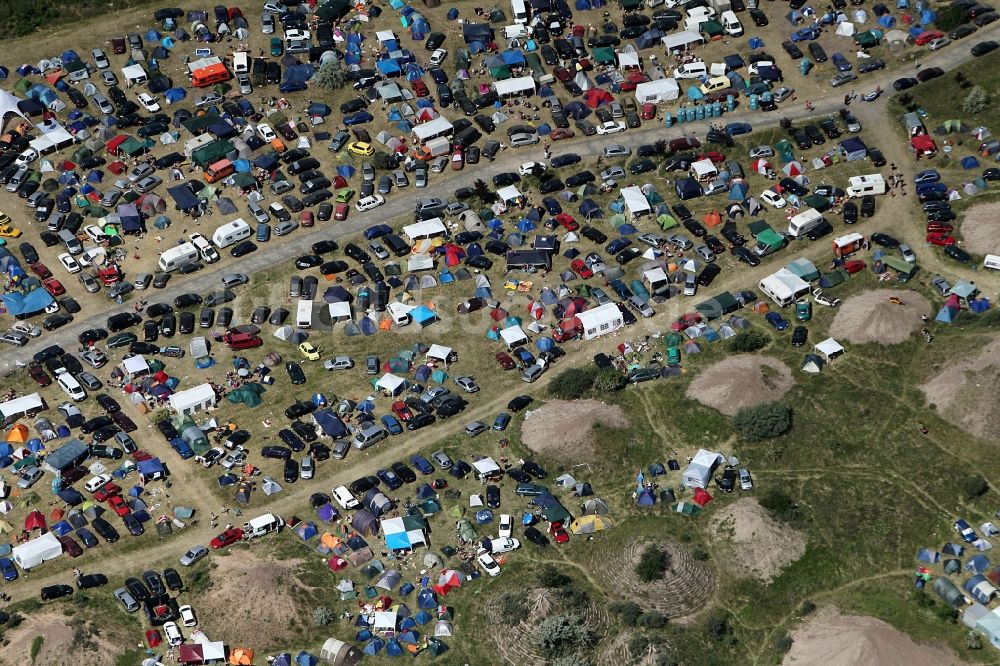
(867, 39)
(673, 339)
(500, 73)
(431, 506)
(711, 28)
(22, 86)
(466, 531)
(604, 55)
(245, 181)
(904, 268)
(132, 147)
(666, 221)
(687, 508)
(833, 278)
(210, 153)
(436, 647)
(196, 124)
(243, 396)
(785, 150)
(817, 201)
(456, 511)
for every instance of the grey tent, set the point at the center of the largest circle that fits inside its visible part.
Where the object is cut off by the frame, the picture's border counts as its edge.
(339, 653)
(365, 522)
(595, 505)
(226, 206)
(949, 593)
(389, 580)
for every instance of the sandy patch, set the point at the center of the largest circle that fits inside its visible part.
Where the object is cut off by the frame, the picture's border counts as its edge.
(756, 544)
(683, 591)
(741, 381)
(833, 639)
(562, 427)
(981, 228)
(965, 391)
(872, 317)
(243, 583)
(59, 648)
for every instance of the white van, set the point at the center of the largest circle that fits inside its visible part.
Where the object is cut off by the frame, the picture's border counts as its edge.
(858, 186)
(231, 233)
(519, 11)
(241, 62)
(691, 70)
(731, 24)
(344, 498)
(304, 314)
(804, 222)
(400, 313)
(176, 257)
(992, 262)
(208, 253)
(262, 525)
(69, 385)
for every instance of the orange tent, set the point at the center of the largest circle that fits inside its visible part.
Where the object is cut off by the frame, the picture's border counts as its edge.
(713, 218)
(241, 656)
(57, 514)
(18, 434)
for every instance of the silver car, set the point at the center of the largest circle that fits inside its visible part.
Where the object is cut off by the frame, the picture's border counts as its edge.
(399, 179)
(338, 363)
(193, 555)
(146, 184)
(14, 338)
(680, 241)
(532, 373)
(442, 460)
(367, 172)
(613, 173)
(244, 82)
(705, 253)
(523, 139)
(285, 228)
(109, 78)
(127, 600)
(29, 477)
(208, 99)
(617, 151)
(100, 59)
(258, 212)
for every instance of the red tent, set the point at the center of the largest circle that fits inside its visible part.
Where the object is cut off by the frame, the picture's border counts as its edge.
(701, 497)
(161, 376)
(113, 144)
(35, 521)
(597, 96)
(497, 314)
(453, 254)
(117, 168)
(336, 564)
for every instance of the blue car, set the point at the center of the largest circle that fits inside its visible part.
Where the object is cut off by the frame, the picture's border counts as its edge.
(525, 356)
(246, 108)
(965, 530)
(805, 34)
(8, 570)
(377, 231)
(502, 421)
(439, 75)
(931, 187)
(263, 232)
(359, 118)
(840, 62)
(552, 206)
(421, 464)
(182, 448)
(736, 129)
(391, 424)
(86, 537)
(776, 320)
(389, 478)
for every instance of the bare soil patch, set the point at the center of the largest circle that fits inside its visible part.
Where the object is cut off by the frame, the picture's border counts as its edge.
(741, 381)
(683, 591)
(563, 427)
(833, 639)
(872, 317)
(981, 228)
(965, 391)
(59, 647)
(242, 584)
(754, 543)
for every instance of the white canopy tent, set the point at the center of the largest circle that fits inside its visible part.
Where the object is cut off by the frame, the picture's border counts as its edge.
(135, 365)
(513, 336)
(635, 200)
(830, 349)
(439, 352)
(195, 399)
(425, 229)
(393, 384)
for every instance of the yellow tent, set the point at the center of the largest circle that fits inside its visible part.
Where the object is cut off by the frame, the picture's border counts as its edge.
(241, 656)
(18, 434)
(590, 524)
(6, 527)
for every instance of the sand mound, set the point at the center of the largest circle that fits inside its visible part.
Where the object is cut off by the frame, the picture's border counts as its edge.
(965, 390)
(832, 639)
(756, 545)
(563, 426)
(59, 646)
(741, 381)
(981, 228)
(871, 317)
(242, 584)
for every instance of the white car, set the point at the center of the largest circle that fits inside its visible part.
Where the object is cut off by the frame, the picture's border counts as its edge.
(69, 263)
(907, 253)
(94, 233)
(244, 83)
(438, 56)
(761, 151)
(293, 34)
(148, 102)
(173, 632)
(187, 616)
(344, 498)
(307, 468)
(97, 482)
(488, 564)
(506, 526)
(746, 483)
(504, 545)
(266, 133)
(532, 168)
(88, 256)
(367, 203)
(610, 127)
(773, 199)
(754, 68)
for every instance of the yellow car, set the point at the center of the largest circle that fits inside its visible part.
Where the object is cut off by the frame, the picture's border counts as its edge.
(310, 352)
(361, 148)
(7, 230)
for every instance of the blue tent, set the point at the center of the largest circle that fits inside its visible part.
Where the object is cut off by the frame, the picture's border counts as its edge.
(977, 564)
(422, 315)
(303, 658)
(283, 659)
(969, 162)
(589, 209)
(738, 191)
(545, 344)
(70, 496)
(61, 528)
(646, 498)
(422, 617)
(25, 304)
(173, 95)
(327, 513)
(373, 647)
(346, 171)
(525, 226)
(928, 556)
(152, 35)
(425, 599)
(393, 648)
(242, 166)
(306, 530)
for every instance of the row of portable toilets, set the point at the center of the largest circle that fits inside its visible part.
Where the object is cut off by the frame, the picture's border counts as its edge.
(714, 110)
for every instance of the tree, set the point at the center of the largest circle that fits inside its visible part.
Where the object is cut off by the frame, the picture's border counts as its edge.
(560, 635)
(781, 505)
(572, 383)
(976, 101)
(652, 564)
(974, 486)
(322, 616)
(609, 380)
(762, 422)
(717, 625)
(972, 641)
(748, 341)
(330, 76)
(628, 611)
(782, 643)
(651, 620)
(513, 609)
(483, 191)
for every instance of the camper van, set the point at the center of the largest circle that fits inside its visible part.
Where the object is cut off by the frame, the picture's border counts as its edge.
(400, 314)
(848, 244)
(858, 186)
(176, 257)
(231, 233)
(241, 62)
(192, 145)
(804, 222)
(519, 11)
(691, 70)
(219, 170)
(731, 24)
(205, 249)
(262, 525)
(992, 262)
(209, 76)
(304, 314)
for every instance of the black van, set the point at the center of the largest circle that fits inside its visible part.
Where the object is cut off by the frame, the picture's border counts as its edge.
(272, 73)
(467, 137)
(396, 245)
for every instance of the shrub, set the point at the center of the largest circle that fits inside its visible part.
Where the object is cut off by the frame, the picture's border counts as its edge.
(973, 641)
(807, 607)
(574, 597)
(330, 76)
(572, 383)
(652, 564)
(765, 421)
(550, 576)
(571, 660)
(609, 380)
(36, 647)
(748, 341)
(382, 161)
(563, 635)
(783, 643)
(717, 626)
(976, 101)
(628, 611)
(974, 486)
(322, 616)
(699, 554)
(652, 620)
(513, 609)
(781, 506)
(949, 18)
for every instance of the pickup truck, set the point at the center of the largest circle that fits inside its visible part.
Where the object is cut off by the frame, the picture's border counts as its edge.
(823, 299)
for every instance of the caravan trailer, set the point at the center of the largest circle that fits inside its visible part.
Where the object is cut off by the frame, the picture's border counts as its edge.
(804, 222)
(304, 314)
(176, 257)
(230, 233)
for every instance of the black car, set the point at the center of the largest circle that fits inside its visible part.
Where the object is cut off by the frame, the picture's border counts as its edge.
(450, 406)
(173, 579)
(695, 227)
(731, 234)
(829, 127)
(759, 19)
(727, 481)
(243, 248)
(746, 256)
(293, 441)
(154, 582)
(904, 83)
(291, 471)
(50, 592)
(420, 420)
(519, 475)
(534, 469)
(867, 205)
(958, 254)
(929, 73)
(568, 159)
(708, 275)
(593, 234)
(363, 485)
(276, 452)
(304, 430)
(518, 403)
(492, 496)
(536, 537)
(982, 48)
(132, 524)
(299, 409)
(885, 240)
(822, 229)
(792, 49)
(817, 52)
(136, 588)
(403, 472)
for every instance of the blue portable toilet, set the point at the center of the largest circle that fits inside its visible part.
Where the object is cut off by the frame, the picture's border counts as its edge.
(730, 103)
(668, 119)
(753, 102)
(452, 14)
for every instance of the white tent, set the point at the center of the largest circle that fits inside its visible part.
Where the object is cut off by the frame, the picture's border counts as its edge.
(635, 200)
(196, 399)
(340, 311)
(654, 92)
(270, 486)
(627, 59)
(425, 229)
(513, 336)
(135, 365)
(600, 320)
(31, 554)
(699, 471)
(23, 406)
(486, 467)
(420, 262)
(704, 170)
(845, 29)
(383, 621)
(830, 349)
(439, 352)
(284, 333)
(509, 194)
(392, 384)
(8, 105)
(440, 126)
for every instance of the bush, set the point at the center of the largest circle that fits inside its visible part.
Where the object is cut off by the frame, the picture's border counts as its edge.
(652, 564)
(382, 161)
(973, 641)
(561, 635)
(574, 597)
(761, 422)
(781, 506)
(513, 609)
(699, 554)
(330, 76)
(571, 660)
(976, 101)
(749, 341)
(717, 626)
(628, 611)
(609, 380)
(807, 607)
(949, 18)
(550, 576)
(783, 643)
(322, 616)
(974, 486)
(572, 383)
(652, 620)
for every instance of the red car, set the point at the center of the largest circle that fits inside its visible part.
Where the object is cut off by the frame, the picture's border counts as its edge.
(457, 160)
(340, 212)
(715, 156)
(420, 88)
(107, 491)
(628, 85)
(684, 143)
(40, 269)
(227, 538)
(306, 218)
(927, 37)
(559, 532)
(567, 221)
(581, 269)
(37, 373)
(940, 239)
(505, 361)
(648, 111)
(54, 287)
(401, 411)
(854, 266)
(939, 228)
(686, 320)
(118, 505)
(560, 133)
(109, 275)
(562, 74)
(153, 638)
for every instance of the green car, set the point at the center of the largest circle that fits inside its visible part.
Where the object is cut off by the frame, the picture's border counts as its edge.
(673, 356)
(295, 373)
(803, 310)
(344, 195)
(276, 47)
(121, 340)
